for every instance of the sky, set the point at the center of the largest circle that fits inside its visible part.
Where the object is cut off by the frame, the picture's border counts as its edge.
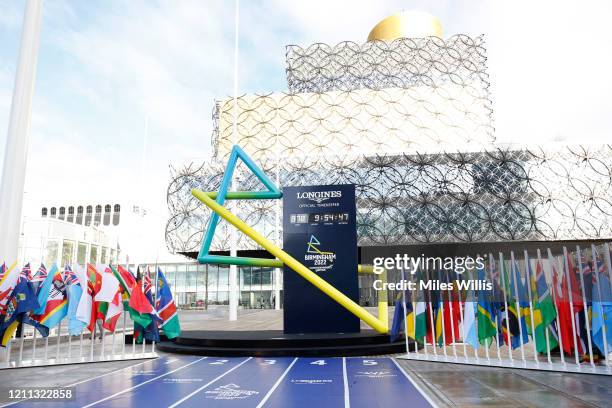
(108, 69)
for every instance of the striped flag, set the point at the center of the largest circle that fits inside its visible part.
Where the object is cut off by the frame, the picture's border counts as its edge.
(166, 308)
(53, 300)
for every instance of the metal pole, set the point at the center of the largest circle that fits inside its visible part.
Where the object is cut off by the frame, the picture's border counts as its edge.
(609, 267)
(528, 283)
(491, 266)
(502, 275)
(233, 270)
(571, 302)
(603, 327)
(584, 304)
(519, 313)
(452, 320)
(34, 346)
(555, 274)
(59, 338)
(404, 312)
(546, 329)
(431, 319)
(18, 136)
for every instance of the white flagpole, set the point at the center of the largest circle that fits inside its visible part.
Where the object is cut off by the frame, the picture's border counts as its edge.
(18, 136)
(555, 274)
(502, 276)
(528, 284)
(584, 304)
(519, 313)
(571, 303)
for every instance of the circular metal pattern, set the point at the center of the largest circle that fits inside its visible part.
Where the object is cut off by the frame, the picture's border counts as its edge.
(409, 122)
(487, 196)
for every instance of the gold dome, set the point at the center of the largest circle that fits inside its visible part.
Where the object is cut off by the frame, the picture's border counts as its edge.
(406, 24)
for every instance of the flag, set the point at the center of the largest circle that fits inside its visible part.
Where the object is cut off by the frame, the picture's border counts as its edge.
(566, 321)
(74, 291)
(601, 311)
(127, 282)
(468, 324)
(87, 310)
(544, 312)
(125, 278)
(113, 311)
(8, 283)
(39, 277)
(166, 308)
(151, 333)
(22, 301)
(486, 314)
(2, 271)
(52, 299)
(108, 287)
(397, 327)
(448, 315)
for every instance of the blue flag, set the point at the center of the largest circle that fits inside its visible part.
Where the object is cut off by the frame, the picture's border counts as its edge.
(601, 311)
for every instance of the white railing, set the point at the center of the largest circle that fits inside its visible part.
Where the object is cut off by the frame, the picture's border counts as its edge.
(28, 348)
(589, 360)
(61, 348)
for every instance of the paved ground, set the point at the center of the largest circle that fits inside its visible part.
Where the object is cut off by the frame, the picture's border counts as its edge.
(452, 385)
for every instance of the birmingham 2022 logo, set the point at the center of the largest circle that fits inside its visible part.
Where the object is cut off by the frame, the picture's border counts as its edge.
(316, 259)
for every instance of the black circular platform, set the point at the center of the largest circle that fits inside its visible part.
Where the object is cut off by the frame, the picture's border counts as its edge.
(275, 343)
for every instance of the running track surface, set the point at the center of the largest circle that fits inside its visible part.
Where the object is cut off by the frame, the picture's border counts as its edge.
(191, 381)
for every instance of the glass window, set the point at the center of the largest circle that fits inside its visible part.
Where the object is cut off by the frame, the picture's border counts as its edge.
(79, 216)
(181, 277)
(62, 213)
(70, 214)
(113, 256)
(93, 255)
(98, 216)
(53, 212)
(88, 214)
(192, 277)
(116, 214)
(223, 284)
(82, 253)
(103, 254)
(51, 253)
(44, 211)
(67, 250)
(107, 214)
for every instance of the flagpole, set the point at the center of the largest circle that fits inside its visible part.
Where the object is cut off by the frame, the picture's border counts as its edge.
(584, 305)
(502, 276)
(546, 329)
(431, 319)
(451, 317)
(603, 326)
(609, 267)
(571, 302)
(233, 270)
(491, 266)
(18, 136)
(519, 312)
(528, 280)
(554, 290)
(405, 312)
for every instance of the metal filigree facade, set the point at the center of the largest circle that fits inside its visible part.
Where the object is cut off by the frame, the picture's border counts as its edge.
(409, 122)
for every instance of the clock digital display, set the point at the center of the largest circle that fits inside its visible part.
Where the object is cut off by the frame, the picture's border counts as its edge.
(328, 217)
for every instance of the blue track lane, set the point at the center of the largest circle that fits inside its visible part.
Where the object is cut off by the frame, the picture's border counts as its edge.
(378, 382)
(211, 382)
(97, 388)
(312, 383)
(165, 391)
(244, 387)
